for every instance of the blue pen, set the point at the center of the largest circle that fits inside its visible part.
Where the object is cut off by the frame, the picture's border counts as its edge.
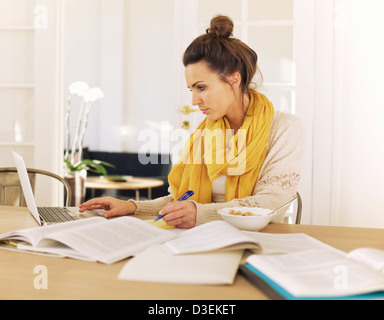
(185, 196)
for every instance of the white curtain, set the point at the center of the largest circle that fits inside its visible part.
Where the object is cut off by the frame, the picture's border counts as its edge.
(359, 112)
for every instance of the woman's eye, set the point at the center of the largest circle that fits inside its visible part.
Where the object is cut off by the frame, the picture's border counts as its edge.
(200, 88)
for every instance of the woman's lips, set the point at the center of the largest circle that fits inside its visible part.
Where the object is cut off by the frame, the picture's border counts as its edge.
(204, 111)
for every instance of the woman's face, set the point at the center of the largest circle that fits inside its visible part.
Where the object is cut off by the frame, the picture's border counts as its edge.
(214, 97)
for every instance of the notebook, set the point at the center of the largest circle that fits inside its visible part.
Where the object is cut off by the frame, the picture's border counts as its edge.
(43, 215)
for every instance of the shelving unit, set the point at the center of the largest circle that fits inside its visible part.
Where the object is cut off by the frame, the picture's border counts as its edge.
(31, 46)
(17, 86)
(17, 91)
(17, 28)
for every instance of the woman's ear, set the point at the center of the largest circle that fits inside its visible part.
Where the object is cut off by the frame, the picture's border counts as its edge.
(234, 79)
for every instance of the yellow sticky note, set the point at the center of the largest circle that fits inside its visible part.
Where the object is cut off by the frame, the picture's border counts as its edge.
(161, 224)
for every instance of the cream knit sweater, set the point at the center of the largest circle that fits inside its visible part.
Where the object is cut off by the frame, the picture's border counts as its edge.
(278, 179)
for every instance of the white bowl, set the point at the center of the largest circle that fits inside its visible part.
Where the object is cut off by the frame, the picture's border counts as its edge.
(260, 218)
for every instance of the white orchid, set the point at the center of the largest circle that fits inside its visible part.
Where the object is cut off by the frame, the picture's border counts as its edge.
(89, 95)
(93, 94)
(78, 87)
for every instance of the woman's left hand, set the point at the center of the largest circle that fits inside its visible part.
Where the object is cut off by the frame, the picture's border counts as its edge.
(180, 214)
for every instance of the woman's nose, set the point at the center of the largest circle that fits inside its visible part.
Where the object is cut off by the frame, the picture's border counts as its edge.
(196, 99)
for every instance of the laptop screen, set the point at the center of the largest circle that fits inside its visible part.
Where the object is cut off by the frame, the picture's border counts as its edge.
(26, 186)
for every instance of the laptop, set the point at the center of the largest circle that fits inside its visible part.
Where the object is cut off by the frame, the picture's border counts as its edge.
(45, 215)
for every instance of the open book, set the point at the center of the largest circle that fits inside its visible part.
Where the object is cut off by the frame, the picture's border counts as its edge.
(93, 239)
(212, 236)
(209, 254)
(108, 241)
(220, 236)
(319, 274)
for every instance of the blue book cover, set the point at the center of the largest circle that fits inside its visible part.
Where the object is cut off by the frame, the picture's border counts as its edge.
(276, 292)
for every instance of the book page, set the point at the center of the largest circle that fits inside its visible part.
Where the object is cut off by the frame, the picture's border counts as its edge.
(286, 243)
(36, 234)
(159, 264)
(318, 273)
(112, 240)
(374, 258)
(53, 248)
(211, 236)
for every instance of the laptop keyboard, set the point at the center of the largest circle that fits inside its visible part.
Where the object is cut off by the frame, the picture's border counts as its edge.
(52, 214)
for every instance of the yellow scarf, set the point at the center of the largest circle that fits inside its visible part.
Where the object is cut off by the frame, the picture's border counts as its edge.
(212, 150)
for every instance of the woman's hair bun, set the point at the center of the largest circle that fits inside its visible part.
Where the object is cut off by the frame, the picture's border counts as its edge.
(221, 26)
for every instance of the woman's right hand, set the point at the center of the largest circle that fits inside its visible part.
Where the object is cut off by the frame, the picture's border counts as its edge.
(113, 207)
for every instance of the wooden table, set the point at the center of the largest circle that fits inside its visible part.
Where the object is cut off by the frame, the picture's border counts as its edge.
(134, 183)
(74, 279)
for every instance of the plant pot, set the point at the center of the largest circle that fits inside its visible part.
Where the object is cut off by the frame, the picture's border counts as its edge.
(76, 180)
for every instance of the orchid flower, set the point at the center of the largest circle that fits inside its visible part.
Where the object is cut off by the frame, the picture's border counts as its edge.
(89, 96)
(93, 94)
(78, 87)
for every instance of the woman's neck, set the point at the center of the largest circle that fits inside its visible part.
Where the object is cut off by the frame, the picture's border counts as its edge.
(237, 116)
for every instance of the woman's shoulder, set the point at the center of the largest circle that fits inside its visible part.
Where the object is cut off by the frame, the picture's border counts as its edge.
(285, 121)
(283, 118)
(287, 129)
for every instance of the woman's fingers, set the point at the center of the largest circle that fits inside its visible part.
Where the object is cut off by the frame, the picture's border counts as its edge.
(97, 203)
(180, 214)
(113, 207)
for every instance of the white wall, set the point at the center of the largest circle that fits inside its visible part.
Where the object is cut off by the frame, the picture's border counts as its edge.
(127, 50)
(82, 55)
(149, 85)
(94, 52)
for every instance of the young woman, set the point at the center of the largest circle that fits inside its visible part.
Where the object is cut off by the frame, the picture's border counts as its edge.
(243, 154)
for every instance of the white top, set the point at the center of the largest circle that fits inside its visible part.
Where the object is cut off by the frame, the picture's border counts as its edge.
(218, 189)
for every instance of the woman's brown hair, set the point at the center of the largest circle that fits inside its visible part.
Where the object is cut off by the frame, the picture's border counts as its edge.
(223, 53)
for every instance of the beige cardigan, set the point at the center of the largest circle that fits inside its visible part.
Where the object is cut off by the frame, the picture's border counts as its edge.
(278, 179)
